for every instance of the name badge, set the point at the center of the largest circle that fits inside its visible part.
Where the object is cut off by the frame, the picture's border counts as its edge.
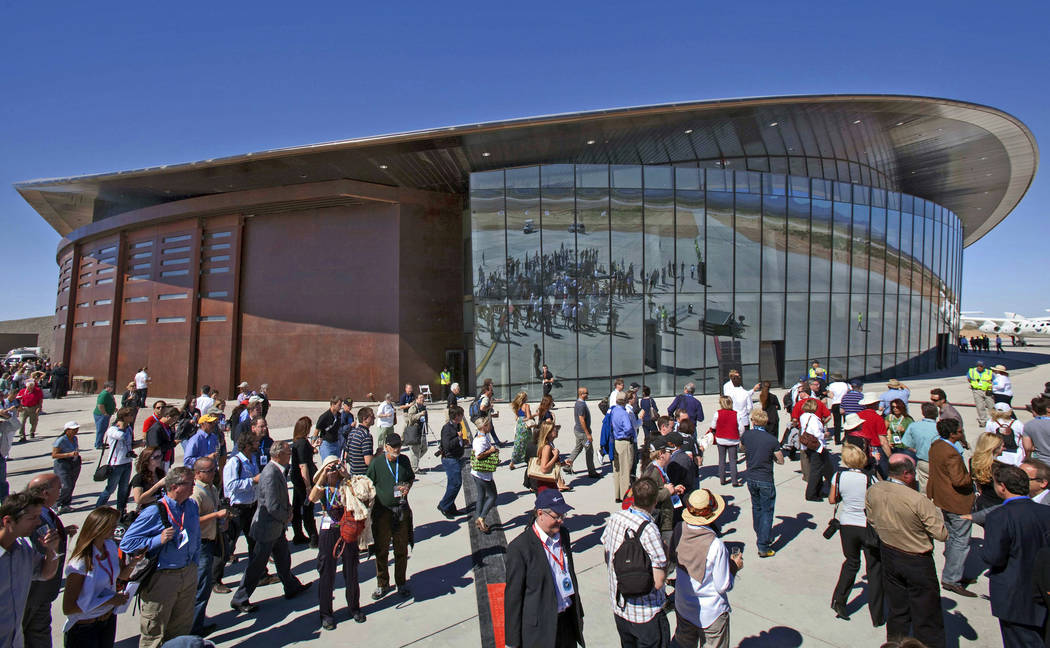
(184, 538)
(676, 501)
(397, 493)
(565, 587)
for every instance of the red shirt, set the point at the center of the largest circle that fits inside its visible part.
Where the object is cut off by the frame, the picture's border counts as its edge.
(873, 428)
(147, 424)
(822, 410)
(726, 425)
(31, 397)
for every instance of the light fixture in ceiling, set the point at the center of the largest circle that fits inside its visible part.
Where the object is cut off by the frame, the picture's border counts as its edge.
(688, 131)
(485, 154)
(590, 141)
(382, 166)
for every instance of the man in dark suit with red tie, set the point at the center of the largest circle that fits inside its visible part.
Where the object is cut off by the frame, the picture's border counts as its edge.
(542, 606)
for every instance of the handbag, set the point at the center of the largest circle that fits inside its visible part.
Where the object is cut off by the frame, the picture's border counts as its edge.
(809, 441)
(488, 464)
(102, 473)
(534, 471)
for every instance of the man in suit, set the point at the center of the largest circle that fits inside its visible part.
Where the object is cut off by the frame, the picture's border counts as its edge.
(541, 602)
(1014, 534)
(950, 487)
(272, 516)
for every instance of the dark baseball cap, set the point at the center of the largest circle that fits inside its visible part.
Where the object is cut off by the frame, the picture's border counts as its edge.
(393, 439)
(552, 500)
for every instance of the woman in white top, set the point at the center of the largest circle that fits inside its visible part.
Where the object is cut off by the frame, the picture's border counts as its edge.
(481, 460)
(95, 583)
(1002, 388)
(848, 490)
(810, 423)
(118, 455)
(1002, 422)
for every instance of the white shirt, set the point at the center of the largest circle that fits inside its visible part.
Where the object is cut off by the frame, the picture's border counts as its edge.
(836, 391)
(810, 422)
(557, 573)
(1042, 497)
(1016, 457)
(741, 403)
(99, 584)
(852, 489)
(702, 598)
(613, 395)
(141, 379)
(1001, 385)
(480, 444)
(386, 415)
(119, 442)
(204, 403)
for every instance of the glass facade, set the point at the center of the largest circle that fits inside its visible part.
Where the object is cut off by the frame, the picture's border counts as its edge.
(672, 274)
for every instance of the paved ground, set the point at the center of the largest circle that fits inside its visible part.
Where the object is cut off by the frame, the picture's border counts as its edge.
(782, 601)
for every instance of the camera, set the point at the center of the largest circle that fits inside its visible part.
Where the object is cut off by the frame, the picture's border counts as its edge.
(833, 528)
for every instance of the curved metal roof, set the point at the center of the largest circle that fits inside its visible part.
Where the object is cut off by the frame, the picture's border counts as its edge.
(975, 160)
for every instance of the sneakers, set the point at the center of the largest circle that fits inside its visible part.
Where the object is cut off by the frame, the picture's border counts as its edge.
(381, 592)
(768, 553)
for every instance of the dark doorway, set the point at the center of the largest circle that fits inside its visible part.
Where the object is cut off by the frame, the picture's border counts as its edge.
(456, 361)
(943, 345)
(771, 362)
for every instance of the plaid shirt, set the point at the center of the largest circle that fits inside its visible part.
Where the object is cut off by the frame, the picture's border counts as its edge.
(640, 609)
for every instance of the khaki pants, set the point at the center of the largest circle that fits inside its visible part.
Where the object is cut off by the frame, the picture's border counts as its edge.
(622, 467)
(716, 635)
(167, 605)
(31, 414)
(983, 401)
(922, 474)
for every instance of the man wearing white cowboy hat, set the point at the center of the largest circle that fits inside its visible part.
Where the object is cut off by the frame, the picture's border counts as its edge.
(895, 389)
(707, 571)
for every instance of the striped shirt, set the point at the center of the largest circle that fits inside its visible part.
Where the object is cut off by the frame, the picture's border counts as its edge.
(358, 446)
(851, 402)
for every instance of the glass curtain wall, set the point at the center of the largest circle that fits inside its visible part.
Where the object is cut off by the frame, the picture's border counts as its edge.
(665, 275)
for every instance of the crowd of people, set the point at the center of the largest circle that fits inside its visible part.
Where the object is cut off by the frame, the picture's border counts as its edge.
(900, 485)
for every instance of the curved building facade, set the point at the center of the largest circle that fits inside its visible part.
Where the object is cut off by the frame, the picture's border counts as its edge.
(666, 244)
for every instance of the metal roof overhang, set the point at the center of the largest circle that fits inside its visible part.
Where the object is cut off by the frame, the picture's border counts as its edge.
(972, 159)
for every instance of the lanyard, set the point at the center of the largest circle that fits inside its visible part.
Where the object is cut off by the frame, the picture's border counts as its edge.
(560, 561)
(395, 470)
(662, 472)
(641, 514)
(104, 565)
(179, 526)
(331, 496)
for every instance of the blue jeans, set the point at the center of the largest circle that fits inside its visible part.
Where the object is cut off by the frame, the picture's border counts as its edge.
(205, 562)
(763, 498)
(328, 449)
(486, 497)
(119, 480)
(454, 474)
(956, 547)
(101, 425)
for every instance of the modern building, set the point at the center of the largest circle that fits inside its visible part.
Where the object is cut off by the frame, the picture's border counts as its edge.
(665, 244)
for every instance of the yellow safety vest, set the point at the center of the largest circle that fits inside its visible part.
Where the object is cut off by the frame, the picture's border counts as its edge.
(446, 378)
(981, 380)
(818, 373)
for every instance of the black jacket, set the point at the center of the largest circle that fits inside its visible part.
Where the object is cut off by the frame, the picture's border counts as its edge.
(451, 442)
(1013, 535)
(530, 600)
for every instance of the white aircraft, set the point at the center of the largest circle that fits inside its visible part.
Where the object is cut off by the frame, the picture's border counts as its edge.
(1013, 324)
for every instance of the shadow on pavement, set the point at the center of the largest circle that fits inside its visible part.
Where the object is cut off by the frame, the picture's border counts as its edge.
(775, 637)
(789, 529)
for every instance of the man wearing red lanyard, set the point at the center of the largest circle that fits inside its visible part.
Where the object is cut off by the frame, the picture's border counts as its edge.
(169, 530)
(541, 582)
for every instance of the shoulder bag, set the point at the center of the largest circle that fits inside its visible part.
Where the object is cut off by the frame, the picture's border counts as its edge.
(807, 440)
(102, 472)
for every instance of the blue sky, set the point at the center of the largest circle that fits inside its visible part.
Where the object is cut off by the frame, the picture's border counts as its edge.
(96, 87)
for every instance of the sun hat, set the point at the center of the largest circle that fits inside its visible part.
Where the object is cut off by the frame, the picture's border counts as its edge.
(1002, 407)
(72, 425)
(703, 507)
(330, 459)
(894, 384)
(870, 398)
(999, 367)
(242, 385)
(852, 422)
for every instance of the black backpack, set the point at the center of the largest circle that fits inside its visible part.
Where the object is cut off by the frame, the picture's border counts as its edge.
(632, 566)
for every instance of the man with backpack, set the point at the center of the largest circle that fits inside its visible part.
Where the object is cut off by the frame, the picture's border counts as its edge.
(169, 533)
(634, 555)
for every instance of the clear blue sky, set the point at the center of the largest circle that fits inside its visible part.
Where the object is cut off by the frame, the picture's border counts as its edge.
(93, 87)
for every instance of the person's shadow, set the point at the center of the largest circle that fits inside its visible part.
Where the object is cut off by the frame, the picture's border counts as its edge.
(789, 528)
(775, 637)
(956, 626)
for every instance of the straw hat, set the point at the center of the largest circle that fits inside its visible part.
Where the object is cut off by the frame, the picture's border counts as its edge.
(329, 460)
(894, 384)
(999, 368)
(703, 507)
(852, 422)
(870, 398)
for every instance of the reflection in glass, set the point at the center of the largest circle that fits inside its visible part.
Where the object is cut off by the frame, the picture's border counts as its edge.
(488, 251)
(560, 275)
(625, 316)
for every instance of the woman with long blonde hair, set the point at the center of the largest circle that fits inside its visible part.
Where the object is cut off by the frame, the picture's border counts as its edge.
(547, 457)
(982, 467)
(523, 414)
(92, 572)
